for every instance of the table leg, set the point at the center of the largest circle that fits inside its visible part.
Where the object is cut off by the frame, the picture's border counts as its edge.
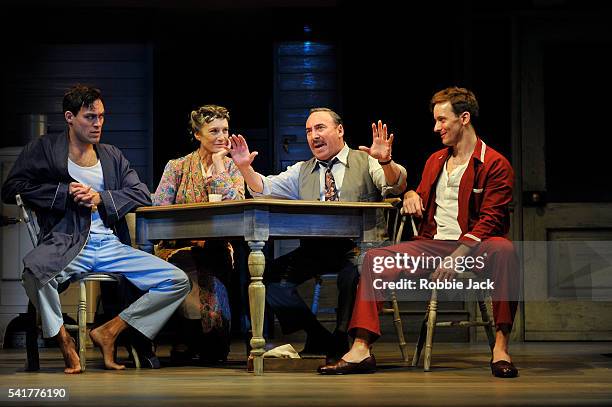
(257, 297)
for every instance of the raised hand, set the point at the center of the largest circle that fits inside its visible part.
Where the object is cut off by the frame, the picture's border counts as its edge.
(381, 144)
(240, 152)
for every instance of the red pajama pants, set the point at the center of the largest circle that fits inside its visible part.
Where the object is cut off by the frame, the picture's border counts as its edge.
(500, 265)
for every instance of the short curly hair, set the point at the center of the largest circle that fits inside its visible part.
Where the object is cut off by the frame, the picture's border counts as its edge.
(204, 115)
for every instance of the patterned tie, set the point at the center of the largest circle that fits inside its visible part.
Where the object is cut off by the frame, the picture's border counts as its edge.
(331, 193)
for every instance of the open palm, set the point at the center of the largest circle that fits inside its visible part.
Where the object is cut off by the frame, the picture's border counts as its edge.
(381, 143)
(240, 151)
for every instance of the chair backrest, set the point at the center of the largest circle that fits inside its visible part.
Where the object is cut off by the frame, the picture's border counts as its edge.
(393, 219)
(401, 217)
(28, 218)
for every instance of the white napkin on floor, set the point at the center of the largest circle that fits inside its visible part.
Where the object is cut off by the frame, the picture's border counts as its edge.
(284, 351)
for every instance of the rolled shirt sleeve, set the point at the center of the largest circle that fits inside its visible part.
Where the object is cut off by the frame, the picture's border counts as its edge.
(284, 185)
(378, 177)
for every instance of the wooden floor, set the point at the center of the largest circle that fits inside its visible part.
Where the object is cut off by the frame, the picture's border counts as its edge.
(550, 374)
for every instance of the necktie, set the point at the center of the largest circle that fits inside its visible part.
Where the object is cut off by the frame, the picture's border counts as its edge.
(331, 193)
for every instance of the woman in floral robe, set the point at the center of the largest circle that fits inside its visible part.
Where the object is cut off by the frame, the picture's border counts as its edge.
(191, 179)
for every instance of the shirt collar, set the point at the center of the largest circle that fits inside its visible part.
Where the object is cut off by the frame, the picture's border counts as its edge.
(479, 151)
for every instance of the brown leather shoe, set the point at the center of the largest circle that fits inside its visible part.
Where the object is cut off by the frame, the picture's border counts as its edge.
(368, 365)
(503, 369)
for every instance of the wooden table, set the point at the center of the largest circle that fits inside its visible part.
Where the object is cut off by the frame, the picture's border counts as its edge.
(256, 220)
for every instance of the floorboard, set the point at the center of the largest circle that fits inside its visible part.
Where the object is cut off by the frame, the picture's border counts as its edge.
(550, 374)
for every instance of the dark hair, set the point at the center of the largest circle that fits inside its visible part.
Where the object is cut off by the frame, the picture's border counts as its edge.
(335, 116)
(78, 96)
(462, 100)
(204, 115)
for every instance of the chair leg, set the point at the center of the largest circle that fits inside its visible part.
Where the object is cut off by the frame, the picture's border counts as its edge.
(431, 326)
(135, 356)
(399, 329)
(82, 317)
(419, 346)
(485, 318)
(32, 356)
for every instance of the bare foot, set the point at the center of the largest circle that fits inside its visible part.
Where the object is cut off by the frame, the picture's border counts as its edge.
(106, 342)
(71, 357)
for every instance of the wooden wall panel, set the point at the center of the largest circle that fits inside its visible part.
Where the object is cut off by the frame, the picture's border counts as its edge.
(41, 75)
(305, 76)
(309, 81)
(298, 64)
(305, 48)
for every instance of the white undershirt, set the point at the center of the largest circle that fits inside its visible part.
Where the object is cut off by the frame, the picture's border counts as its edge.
(93, 177)
(447, 203)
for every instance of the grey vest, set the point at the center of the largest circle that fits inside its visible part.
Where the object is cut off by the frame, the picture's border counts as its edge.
(357, 185)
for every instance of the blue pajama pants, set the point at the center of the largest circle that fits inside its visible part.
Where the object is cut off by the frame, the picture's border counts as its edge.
(166, 285)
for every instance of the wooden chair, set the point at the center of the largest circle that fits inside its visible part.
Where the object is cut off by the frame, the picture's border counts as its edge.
(430, 323)
(32, 360)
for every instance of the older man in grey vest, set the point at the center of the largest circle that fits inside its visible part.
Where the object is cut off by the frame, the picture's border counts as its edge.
(335, 173)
